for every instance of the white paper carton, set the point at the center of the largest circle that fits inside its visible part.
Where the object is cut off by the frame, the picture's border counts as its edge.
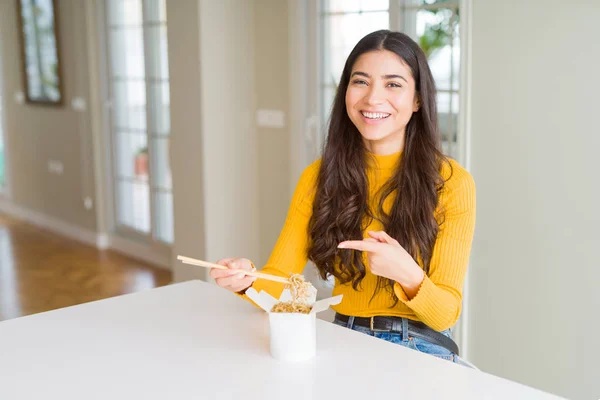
(293, 335)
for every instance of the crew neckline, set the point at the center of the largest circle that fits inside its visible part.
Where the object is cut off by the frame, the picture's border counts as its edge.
(388, 161)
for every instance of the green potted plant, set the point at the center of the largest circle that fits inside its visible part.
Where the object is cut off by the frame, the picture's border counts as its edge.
(141, 163)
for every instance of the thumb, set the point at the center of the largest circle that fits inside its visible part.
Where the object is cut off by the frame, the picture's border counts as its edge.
(383, 237)
(243, 263)
(225, 261)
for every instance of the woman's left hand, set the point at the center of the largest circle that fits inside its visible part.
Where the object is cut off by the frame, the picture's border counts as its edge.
(387, 258)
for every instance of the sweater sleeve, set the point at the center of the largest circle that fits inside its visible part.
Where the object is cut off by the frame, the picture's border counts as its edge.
(438, 302)
(290, 253)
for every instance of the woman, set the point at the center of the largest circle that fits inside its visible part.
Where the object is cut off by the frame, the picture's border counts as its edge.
(383, 211)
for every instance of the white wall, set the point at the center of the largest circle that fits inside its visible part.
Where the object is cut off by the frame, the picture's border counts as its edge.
(535, 270)
(272, 72)
(228, 129)
(214, 153)
(186, 137)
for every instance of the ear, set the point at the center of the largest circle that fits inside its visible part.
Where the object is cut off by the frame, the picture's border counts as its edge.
(417, 102)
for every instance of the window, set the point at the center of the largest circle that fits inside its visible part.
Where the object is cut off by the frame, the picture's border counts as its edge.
(343, 24)
(139, 89)
(433, 24)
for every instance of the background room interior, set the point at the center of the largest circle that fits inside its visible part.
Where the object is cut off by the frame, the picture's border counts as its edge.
(183, 127)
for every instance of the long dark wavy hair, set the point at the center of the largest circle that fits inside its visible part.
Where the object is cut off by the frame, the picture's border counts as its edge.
(340, 208)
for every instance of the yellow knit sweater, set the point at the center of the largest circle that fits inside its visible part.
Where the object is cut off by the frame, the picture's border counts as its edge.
(438, 301)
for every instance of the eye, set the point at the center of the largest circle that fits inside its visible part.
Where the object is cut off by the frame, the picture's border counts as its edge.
(359, 82)
(394, 85)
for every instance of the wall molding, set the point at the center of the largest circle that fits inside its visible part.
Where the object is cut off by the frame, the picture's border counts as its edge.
(50, 223)
(101, 241)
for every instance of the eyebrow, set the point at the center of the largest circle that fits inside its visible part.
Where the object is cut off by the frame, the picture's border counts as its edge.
(390, 76)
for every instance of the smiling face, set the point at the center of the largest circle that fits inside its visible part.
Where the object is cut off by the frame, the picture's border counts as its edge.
(381, 99)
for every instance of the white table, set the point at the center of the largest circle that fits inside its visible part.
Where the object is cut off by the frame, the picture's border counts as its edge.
(194, 340)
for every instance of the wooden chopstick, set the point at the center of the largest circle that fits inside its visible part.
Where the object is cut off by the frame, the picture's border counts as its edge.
(206, 264)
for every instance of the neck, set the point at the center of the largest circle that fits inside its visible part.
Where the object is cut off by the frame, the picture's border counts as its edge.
(391, 144)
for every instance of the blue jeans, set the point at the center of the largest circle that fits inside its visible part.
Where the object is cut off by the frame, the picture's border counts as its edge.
(407, 340)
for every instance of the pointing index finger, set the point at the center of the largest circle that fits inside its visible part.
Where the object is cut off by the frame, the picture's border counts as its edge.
(361, 245)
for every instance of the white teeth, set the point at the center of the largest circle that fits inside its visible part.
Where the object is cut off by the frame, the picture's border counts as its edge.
(371, 115)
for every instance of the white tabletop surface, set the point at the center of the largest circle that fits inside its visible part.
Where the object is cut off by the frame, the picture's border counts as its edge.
(194, 340)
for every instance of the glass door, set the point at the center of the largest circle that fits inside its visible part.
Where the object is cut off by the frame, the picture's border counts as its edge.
(140, 118)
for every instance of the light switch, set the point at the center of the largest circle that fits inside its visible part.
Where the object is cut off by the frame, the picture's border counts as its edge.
(270, 118)
(20, 98)
(78, 104)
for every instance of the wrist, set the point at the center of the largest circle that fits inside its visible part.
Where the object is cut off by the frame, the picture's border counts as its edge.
(411, 281)
(243, 291)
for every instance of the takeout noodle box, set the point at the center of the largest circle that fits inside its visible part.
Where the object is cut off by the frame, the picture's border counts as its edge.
(293, 335)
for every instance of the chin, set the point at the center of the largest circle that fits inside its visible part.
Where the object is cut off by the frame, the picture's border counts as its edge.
(367, 134)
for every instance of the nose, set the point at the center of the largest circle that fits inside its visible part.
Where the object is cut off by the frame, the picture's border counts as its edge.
(374, 96)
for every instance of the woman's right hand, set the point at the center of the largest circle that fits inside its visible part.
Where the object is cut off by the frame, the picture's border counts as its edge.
(230, 279)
